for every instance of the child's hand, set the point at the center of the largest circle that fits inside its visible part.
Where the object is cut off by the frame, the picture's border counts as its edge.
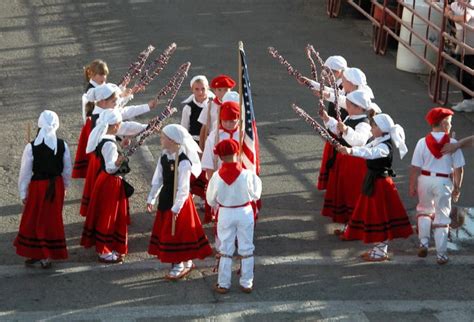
(125, 142)
(126, 92)
(344, 149)
(152, 104)
(449, 148)
(149, 208)
(455, 194)
(324, 115)
(119, 160)
(412, 191)
(23, 201)
(341, 127)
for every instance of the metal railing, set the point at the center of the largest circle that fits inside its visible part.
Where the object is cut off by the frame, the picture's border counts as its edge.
(387, 21)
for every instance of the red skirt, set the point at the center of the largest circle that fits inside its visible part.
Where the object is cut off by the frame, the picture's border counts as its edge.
(344, 187)
(41, 233)
(381, 216)
(106, 220)
(323, 176)
(189, 241)
(93, 171)
(82, 160)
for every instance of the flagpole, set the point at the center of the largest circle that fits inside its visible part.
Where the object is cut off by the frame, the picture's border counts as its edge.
(242, 111)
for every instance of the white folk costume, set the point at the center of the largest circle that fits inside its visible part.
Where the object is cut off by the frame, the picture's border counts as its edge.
(335, 63)
(126, 129)
(210, 113)
(189, 241)
(45, 173)
(435, 184)
(379, 214)
(107, 215)
(347, 172)
(231, 190)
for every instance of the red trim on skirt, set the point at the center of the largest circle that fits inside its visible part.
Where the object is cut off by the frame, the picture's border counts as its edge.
(189, 241)
(81, 161)
(323, 176)
(106, 220)
(344, 187)
(381, 216)
(41, 233)
(93, 171)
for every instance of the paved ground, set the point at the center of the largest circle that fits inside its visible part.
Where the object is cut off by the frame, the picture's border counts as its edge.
(302, 272)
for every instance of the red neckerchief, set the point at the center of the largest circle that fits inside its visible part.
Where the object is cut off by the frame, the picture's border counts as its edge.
(230, 171)
(217, 101)
(230, 132)
(434, 146)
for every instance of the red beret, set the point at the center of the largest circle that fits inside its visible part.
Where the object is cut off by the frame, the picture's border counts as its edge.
(226, 147)
(230, 111)
(437, 114)
(222, 81)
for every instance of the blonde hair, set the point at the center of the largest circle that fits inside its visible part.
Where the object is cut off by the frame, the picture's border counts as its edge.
(97, 66)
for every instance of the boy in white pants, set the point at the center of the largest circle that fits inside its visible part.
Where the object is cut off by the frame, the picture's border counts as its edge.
(435, 178)
(231, 190)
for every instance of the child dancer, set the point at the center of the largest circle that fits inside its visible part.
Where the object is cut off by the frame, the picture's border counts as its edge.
(435, 178)
(95, 75)
(45, 174)
(209, 114)
(379, 215)
(176, 209)
(231, 190)
(107, 215)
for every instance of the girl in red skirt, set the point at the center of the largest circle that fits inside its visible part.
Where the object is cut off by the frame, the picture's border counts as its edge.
(106, 221)
(95, 75)
(44, 175)
(379, 215)
(347, 172)
(179, 160)
(105, 98)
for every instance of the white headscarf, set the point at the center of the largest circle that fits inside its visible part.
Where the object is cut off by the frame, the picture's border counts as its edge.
(362, 99)
(336, 63)
(106, 118)
(231, 96)
(397, 134)
(204, 80)
(189, 147)
(101, 92)
(357, 77)
(48, 122)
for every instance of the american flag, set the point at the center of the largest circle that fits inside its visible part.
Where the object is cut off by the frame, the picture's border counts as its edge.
(250, 148)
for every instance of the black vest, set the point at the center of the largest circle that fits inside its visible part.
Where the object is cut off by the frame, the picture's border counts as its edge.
(165, 199)
(124, 168)
(94, 118)
(46, 165)
(88, 87)
(332, 110)
(378, 168)
(353, 123)
(194, 125)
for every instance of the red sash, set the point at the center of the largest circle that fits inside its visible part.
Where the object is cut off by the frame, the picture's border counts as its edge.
(434, 146)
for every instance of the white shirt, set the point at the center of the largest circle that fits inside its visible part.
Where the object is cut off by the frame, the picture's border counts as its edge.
(355, 137)
(424, 159)
(373, 150)
(127, 112)
(207, 160)
(110, 153)
(26, 169)
(128, 128)
(184, 176)
(341, 98)
(214, 115)
(247, 187)
(186, 114)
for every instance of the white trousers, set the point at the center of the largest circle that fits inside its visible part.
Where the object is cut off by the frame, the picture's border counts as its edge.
(434, 198)
(232, 223)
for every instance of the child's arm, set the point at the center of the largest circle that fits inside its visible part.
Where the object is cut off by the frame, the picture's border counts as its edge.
(355, 137)
(368, 153)
(67, 167)
(134, 110)
(211, 191)
(111, 157)
(26, 172)
(255, 186)
(204, 130)
(156, 184)
(414, 174)
(182, 193)
(207, 160)
(457, 182)
(130, 128)
(463, 143)
(185, 116)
